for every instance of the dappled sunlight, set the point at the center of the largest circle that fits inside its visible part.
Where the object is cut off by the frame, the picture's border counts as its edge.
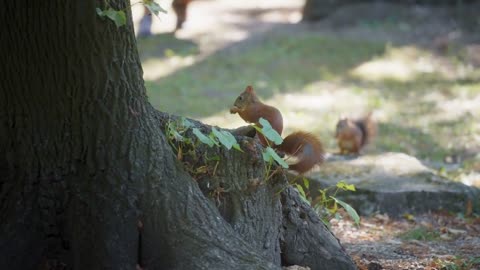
(214, 27)
(402, 64)
(425, 101)
(319, 110)
(156, 68)
(464, 103)
(316, 109)
(392, 163)
(224, 119)
(471, 179)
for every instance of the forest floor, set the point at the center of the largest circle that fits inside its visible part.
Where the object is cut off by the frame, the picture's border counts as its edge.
(440, 241)
(415, 67)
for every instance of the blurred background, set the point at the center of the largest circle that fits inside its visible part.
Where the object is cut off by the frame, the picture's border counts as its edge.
(415, 64)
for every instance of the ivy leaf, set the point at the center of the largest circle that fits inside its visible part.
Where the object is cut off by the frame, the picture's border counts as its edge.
(227, 139)
(153, 7)
(345, 186)
(270, 154)
(204, 139)
(117, 16)
(351, 212)
(269, 132)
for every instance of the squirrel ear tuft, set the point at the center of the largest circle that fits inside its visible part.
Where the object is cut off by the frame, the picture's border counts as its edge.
(249, 89)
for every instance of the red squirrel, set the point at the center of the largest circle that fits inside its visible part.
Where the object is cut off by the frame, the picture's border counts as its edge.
(303, 145)
(180, 9)
(353, 135)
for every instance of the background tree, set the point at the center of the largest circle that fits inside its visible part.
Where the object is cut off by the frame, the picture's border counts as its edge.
(315, 10)
(89, 181)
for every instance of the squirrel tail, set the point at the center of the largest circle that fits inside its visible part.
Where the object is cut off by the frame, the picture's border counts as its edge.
(306, 147)
(368, 127)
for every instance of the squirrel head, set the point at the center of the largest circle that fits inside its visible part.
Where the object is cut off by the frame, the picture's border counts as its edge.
(342, 124)
(245, 99)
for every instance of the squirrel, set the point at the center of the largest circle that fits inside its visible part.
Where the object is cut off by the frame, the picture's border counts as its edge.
(306, 147)
(180, 9)
(353, 135)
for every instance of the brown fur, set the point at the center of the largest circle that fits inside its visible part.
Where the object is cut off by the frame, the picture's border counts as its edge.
(305, 146)
(251, 109)
(180, 9)
(353, 135)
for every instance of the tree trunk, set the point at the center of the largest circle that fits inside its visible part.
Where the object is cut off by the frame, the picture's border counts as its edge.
(87, 178)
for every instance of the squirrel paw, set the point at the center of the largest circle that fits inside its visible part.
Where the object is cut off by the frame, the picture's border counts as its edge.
(234, 110)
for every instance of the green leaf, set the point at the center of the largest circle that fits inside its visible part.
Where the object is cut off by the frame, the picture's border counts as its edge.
(270, 154)
(213, 138)
(269, 132)
(345, 186)
(214, 158)
(227, 139)
(351, 212)
(333, 209)
(302, 193)
(177, 136)
(323, 193)
(154, 7)
(187, 123)
(117, 16)
(306, 183)
(204, 139)
(173, 133)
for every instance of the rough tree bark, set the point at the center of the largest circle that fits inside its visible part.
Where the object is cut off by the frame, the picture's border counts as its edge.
(87, 177)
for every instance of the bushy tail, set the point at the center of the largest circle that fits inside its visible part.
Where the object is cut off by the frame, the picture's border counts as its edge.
(306, 147)
(368, 128)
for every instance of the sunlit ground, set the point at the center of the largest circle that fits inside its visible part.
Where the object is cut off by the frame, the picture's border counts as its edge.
(426, 100)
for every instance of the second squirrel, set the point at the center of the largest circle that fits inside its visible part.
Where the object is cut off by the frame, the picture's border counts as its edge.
(303, 145)
(353, 135)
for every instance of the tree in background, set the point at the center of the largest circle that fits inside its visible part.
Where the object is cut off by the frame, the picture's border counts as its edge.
(315, 10)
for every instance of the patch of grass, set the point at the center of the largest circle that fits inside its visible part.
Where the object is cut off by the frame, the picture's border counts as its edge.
(413, 115)
(420, 233)
(277, 64)
(410, 140)
(165, 45)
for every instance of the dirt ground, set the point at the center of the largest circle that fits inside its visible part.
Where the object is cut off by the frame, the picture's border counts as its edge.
(431, 241)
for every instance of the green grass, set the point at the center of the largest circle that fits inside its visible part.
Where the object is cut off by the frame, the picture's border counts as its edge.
(420, 233)
(276, 65)
(298, 64)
